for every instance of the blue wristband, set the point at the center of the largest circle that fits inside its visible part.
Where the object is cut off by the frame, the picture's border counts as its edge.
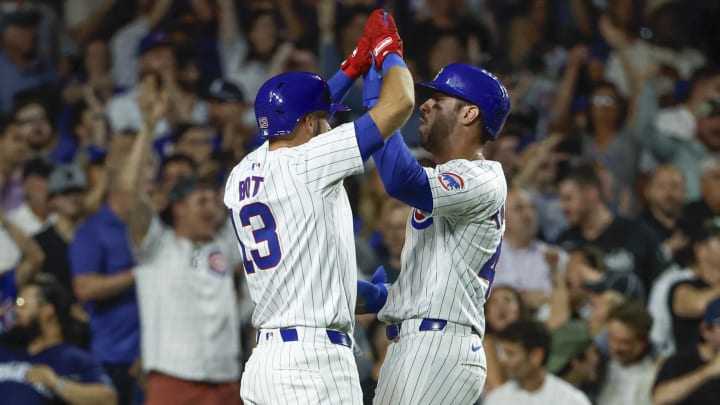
(392, 60)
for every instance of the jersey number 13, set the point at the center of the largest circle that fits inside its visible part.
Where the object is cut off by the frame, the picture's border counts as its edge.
(267, 233)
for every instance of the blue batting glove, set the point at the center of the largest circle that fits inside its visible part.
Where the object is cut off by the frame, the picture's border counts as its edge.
(375, 292)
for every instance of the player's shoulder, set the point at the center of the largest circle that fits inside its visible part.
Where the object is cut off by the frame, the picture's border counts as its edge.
(471, 168)
(333, 135)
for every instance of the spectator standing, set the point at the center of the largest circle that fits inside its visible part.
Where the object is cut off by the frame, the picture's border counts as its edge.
(188, 305)
(66, 192)
(692, 376)
(631, 369)
(525, 350)
(101, 261)
(40, 365)
(708, 206)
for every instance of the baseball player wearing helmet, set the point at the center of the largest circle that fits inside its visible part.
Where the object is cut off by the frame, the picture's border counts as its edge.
(434, 311)
(294, 224)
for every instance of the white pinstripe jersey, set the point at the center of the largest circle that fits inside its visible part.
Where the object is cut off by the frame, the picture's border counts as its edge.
(449, 257)
(294, 224)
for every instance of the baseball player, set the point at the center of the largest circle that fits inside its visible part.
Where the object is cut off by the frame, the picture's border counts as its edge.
(435, 309)
(294, 225)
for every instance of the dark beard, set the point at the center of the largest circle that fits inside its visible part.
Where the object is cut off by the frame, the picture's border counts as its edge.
(20, 336)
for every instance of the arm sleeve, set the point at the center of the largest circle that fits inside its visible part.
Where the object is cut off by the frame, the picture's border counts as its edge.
(461, 188)
(91, 372)
(339, 84)
(85, 253)
(402, 175)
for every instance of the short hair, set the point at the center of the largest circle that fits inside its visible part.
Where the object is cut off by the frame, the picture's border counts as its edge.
(584, 176)
(634, 315)
(484, 134)
(531, 334)
(183, 129)
(179, 158)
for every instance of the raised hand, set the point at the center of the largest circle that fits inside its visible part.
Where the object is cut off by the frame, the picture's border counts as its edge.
(381, 31)
(359, 61)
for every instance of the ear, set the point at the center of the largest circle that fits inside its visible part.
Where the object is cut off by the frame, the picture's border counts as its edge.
(536, 356)
(47, 311)
(469, 114)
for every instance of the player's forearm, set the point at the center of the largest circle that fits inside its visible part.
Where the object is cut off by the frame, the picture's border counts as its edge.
(76, 393)
(396, 101)
(676, 390)
(96, 287)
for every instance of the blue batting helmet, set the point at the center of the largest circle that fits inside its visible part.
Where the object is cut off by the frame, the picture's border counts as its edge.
(474, 85)
(284, 99)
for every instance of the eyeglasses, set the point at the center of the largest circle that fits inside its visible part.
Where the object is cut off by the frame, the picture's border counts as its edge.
(602, 101)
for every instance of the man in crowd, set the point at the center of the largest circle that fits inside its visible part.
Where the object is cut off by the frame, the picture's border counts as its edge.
(631, 369)
(573, 356)
(628, 245)
(692, 376)
(38, 363)
(34, 214)
(690, 297)
(524, 351)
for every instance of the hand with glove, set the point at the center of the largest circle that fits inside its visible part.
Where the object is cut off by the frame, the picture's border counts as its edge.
(382, 33)
(359, 60)
(373, 293)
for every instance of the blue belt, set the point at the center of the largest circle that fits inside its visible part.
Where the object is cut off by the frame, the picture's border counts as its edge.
(393, 330)
(334, 336)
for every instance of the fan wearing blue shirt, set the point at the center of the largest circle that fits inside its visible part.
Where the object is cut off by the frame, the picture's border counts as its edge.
(37, 365)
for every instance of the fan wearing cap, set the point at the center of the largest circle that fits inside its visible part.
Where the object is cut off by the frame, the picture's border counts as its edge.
(66, 197)
(131, 42)
(689, 298)
(573, 357)
(692, 375)
(20, 67)
(183, 279)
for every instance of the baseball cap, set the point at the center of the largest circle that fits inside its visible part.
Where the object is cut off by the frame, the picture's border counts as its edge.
(712, 312)
(226, 91)
(626, 283)
(66, 178)
(568, 340)
(23, 18)
(153, 40)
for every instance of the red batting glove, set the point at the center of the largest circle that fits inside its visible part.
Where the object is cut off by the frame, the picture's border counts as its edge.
(359, 61)
(383, 34)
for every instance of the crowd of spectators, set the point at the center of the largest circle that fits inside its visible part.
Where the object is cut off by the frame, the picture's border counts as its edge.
(119, 121)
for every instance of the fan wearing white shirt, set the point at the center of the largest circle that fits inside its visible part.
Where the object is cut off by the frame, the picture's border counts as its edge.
(524, 348)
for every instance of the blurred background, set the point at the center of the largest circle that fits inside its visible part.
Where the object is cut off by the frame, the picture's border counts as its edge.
(610, 153)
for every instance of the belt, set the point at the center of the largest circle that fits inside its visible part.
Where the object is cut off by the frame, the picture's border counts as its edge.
(392, 331)
(291, 335)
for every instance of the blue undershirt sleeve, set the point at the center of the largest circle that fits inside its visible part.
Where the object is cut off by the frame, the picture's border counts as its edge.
(402, 175)
(368, 136)
(339, 84)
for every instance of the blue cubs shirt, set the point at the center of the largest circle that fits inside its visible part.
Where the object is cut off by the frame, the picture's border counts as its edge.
(67, 361)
